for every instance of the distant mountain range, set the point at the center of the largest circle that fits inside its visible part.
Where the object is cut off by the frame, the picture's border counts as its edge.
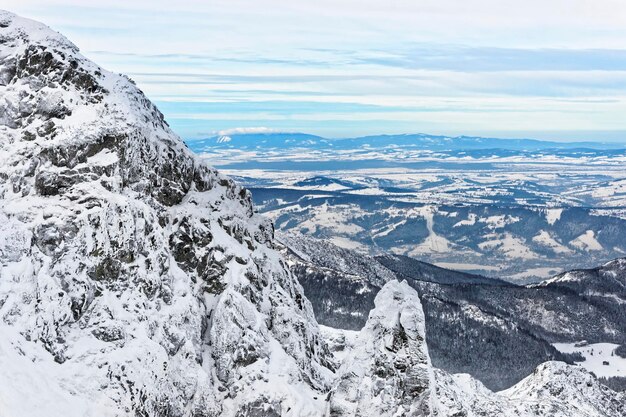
(417, 141)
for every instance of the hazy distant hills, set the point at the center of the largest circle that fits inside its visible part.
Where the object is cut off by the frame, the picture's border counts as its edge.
(418, 141)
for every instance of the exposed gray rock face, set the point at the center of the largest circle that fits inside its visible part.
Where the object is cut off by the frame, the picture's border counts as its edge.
(388, 373)
(137, 274)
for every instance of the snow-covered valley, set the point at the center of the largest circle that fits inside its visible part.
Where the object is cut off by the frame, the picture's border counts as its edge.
(490, 234)
(599, 358)
(521, 210)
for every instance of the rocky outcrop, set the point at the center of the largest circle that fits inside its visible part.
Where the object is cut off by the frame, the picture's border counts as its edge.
(388, 373)
(558, 389)
(497, 332)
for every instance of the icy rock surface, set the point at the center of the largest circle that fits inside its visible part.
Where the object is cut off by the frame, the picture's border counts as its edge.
(388, 373)
(555, 389)
(135, 277)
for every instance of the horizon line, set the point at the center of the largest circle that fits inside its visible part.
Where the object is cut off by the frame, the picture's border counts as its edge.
(270, 131)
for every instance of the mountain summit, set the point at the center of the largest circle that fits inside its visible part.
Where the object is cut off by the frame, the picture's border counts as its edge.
(134, 277)
(137, 281)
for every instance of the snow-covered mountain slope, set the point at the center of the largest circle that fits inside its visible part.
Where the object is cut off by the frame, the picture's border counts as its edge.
(338, 280)
(555, 389)
(405, 265)
(608, 280)
(327, 255)
(563, 390)
(134, 277)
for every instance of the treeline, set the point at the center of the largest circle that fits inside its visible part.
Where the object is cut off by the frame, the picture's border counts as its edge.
(616, 383)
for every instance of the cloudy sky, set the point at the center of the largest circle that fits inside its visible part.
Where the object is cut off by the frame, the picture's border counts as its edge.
(535, 68)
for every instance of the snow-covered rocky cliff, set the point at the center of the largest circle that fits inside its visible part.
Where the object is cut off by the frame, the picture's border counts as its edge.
(135, 278)
(137, 281)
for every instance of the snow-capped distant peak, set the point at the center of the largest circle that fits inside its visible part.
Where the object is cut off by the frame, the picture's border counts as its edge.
(224, 139)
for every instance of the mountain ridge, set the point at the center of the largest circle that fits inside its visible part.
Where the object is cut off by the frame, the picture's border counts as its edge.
(143, 277)
(422, 140)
